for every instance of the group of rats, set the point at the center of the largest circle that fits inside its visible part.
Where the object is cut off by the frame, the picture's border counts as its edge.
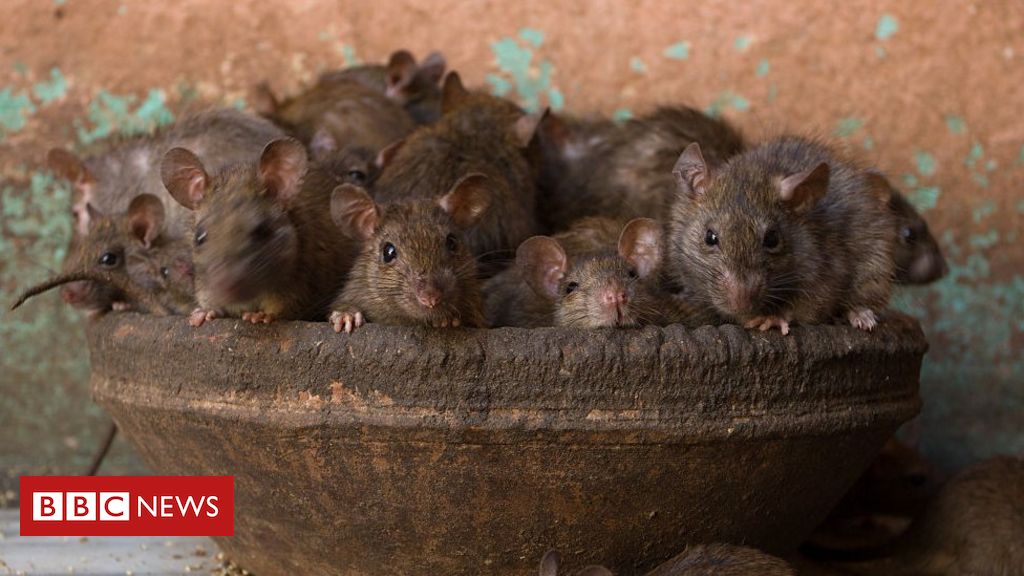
(391, 193)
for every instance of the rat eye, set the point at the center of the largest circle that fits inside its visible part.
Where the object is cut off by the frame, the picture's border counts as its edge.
(262, 233)
(633, 274)
(357, 176)
(451, 243)
(771, 239)
(200, 236)
(388, 252)
(711, 238)
(908, 235)
(571, 287)
(165, 271)
(109, 260)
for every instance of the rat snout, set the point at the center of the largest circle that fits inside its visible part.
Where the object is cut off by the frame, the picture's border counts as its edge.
(74, 292)
(743, 291)
(613, 296)
(927, 268)
(429, 292)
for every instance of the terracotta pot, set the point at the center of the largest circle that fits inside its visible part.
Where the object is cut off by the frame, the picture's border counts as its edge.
(419, 451)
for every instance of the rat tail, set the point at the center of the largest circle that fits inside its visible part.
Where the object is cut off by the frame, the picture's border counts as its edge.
(151, 304)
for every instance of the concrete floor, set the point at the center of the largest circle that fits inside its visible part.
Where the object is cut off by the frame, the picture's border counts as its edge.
(106, 555)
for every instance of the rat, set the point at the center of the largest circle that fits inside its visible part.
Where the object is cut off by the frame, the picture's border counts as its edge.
(600, 168)
(785, 232)
(974, 526)
(263, 243)
(916, 253)
(415, 266)
(338, 114)
(124, 168)
(112, 243)
(167, 273)
(599, 273)
(477, 133)
(414, 86)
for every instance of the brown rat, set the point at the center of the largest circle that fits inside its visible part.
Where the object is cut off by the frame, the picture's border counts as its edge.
(785, 232)
(722, 560)
(415, 266)
(599, 273)
(264, 245)
(413, 85)
(916, 253)
(110, 243)
(167, 273)
(974, 526)
(334, 115)
(478, 133)
(123, 169)
(598, 168)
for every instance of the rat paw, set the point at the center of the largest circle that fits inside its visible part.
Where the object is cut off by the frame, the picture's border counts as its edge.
(258, 317)
(765, 323)
(199, 316)
(120, 306)
(862, 318)
(347, 321)
(446, 323)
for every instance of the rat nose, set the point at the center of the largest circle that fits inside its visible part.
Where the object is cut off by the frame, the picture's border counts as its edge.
(73, 292)
(741, 292)
(613, 296)
(427, 293)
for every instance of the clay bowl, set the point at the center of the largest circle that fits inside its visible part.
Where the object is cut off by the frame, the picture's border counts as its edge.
(418, 451)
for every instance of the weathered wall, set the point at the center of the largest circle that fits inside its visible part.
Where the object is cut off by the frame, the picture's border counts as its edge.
(930, 91)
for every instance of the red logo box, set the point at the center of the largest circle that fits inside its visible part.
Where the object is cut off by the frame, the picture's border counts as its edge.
(127, 506)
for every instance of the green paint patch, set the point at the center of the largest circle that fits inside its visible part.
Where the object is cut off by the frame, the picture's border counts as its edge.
(910, 180)
(984, 240)
(348, 55)
(725, 100)
(556, 99)
(869, 143)
(925, 198)
(983, 210)
(678, 51)
(239, 103)
(518, 72)
(980, 179)
(925, 163)
(15, 110)
(622, 114)
(955, 124)
(846, 127)
(880, 53)
(52, 89)
(532, 36)
(763, 68)
(109, 114)
(742, 43)
(887, 26)
(636, 64)
(975, 154)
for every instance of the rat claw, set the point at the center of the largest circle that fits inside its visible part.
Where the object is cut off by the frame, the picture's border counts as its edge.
(120, 306)
(455, 323)
(766, 323)
(347, 321)
(862, 318)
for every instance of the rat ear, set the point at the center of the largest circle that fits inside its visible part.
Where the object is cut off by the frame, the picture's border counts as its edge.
(595, 571)
(691, 172)
(184, 177)
(879, 186)
(542, 264)
(71, 168)
(387, 154)
(263, 100)
(282, 166)
(549, 563)
(640, 245)
(468, 200)
(146, 218)
(92, 214)
(802, 190)
(453, 93)
(431, 70)
(323, 144)
(401, 69)
(526, 127)
(354, 212)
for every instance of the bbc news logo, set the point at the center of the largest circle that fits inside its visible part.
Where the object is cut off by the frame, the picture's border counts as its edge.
(127, 506)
